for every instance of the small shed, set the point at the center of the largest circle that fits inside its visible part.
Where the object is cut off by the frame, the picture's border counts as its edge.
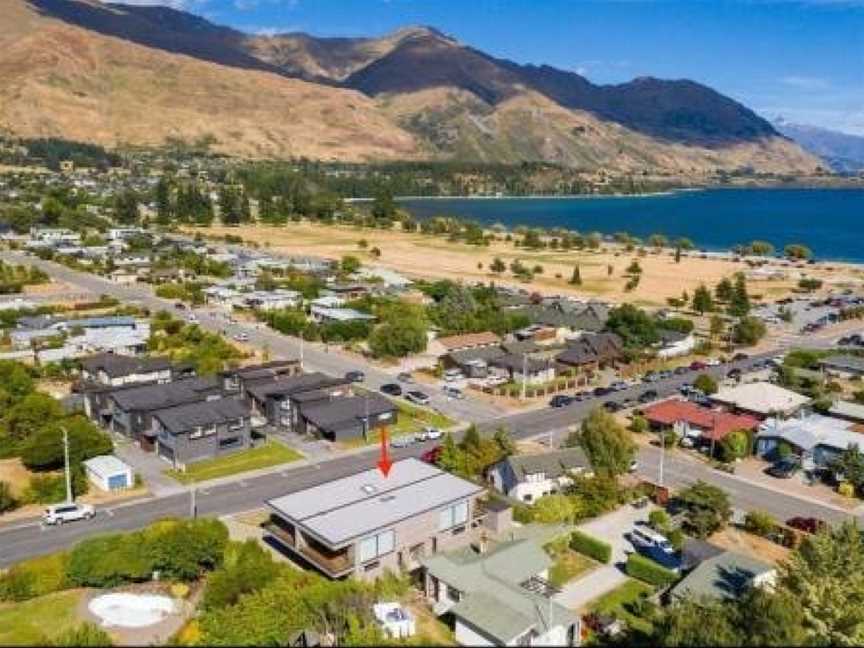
(109, 473)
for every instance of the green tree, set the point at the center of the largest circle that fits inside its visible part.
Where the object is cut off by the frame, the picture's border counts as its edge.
(635, 327)
(164, 208)
(505, 442)
(825, 575)
(607, 443)
(850, 464)
(797, 251)
(349, 264)
(44, 449)
(702, 300)
(706, 383)
(554, 509)
(735, 445)
(724, 290)
(8, 501)
(30, 415)
(497, 266)
(383, 205)
(84, 635)
(716, 327)
(706, 509)
(576, 278)
(398, 338)
(126, 207)
(247, 567)
(739, 304)
(690, 623)
(761, 248)
(748, 331)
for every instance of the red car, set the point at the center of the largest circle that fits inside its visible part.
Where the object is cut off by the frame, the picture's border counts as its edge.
(432, 456)
(696, 365)
(807, 524)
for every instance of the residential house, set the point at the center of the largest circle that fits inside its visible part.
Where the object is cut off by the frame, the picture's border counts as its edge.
(366, 524)
(567, 319)
(270, 300)
(674, 344)
(530, 477)
(201, 430)
(843, 366)
(115, 370)
(817, 440)
(347, 292)
(340, 418)
(278, 401)
(761, 399)
(847, 411)
(54, 236)
(129, 409)
(726, 576)
(500, 597)
(239, 379)
(524, 368)
(125, 233)
(323, 315)
(443, 346)
(592, 351)
(687, 419)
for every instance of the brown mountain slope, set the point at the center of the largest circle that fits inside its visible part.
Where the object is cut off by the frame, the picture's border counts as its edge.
(143, 75)
(59, 80)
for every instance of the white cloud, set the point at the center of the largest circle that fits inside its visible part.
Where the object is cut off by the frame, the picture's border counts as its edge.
(805, 82)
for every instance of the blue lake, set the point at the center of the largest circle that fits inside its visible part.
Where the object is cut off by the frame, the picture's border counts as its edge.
(829, 221)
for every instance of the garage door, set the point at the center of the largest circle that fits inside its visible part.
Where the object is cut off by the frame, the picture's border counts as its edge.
(117, 481)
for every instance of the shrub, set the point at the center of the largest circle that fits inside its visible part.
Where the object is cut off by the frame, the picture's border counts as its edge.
(182, 550)
(639, 424)
(649, 571)
(86, 634)
(34, 577)
(523, 514)
(706, 383)
(658, 519)
(846, 489)
(7, 499)
(247, 567)
(591, 547)
(550, 509)
(759, 523)
(109, 561)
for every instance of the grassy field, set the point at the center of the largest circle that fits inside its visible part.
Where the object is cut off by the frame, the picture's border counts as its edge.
(271, 453)
(31, 622)
(567, 566)
(410, 421)
(618, 601)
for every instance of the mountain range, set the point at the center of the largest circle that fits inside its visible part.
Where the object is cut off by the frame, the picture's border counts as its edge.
(843, 152)
(122, 75)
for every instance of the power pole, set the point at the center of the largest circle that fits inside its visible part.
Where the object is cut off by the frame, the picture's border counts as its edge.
(193, 504)
(662, 455)
(524, 375)
(301, 350)
(69, 497)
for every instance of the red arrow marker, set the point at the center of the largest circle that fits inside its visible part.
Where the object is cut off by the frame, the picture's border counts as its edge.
(384, 462)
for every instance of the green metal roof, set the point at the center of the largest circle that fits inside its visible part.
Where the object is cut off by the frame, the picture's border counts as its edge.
(725, 576)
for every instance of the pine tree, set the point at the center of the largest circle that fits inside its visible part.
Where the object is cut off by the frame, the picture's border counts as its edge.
(576, 279)
(702, 301)
(164, 210)
(739, 304)
(723, 291)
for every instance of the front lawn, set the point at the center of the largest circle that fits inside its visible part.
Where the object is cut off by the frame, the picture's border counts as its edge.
(619, 603)
(32, 622)
(567, 564)
(271, 453)
(410, 421)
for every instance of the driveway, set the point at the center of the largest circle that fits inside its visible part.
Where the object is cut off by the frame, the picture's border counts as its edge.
(577, 594)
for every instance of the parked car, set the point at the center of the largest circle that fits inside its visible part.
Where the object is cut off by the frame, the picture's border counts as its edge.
(428, 434)
(418, 397)
(241, 337)
(581, 396)
(453, 392)
(633, 467)
(431, 456)
(619, 385)
(495, 381)
(391, 389)
(783, 469)
(648, 396)
(355, 376)
(602, 391)
(650, 377)
(712, 362)
(179, 305)
(402, 441)
(193, 318)
(68, 512)
(740, 356)
(561, 400)
(612, 406)
(452, 375)
(405, 377)
(680, 371)
(808, 524)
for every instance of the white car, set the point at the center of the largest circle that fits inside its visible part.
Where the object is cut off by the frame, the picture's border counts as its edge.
(712, 362)
(67, 512)
(428, 434)
(241, 337)
(193, 318)
(452, 375)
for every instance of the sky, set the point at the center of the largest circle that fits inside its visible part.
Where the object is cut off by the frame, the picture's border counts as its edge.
(802, 60)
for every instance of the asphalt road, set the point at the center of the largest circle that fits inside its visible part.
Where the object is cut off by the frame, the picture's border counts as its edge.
(29, 539)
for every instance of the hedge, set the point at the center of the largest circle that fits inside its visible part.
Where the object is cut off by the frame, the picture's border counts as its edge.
(591, 547)
(649, 571)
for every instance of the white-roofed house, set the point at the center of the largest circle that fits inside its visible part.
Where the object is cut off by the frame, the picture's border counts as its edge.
(366, 524)
(109, 473)
(762, 399)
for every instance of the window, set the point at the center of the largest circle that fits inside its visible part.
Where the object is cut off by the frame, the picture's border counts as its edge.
(452, 516)
(229, 442)
(377, 545)
(458, 530)
(235, 425)
(196, 433)
(371, 566)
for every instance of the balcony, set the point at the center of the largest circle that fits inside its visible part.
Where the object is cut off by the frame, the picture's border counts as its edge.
(332, 563)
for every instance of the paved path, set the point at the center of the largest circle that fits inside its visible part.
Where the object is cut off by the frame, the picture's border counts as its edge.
(611, 528)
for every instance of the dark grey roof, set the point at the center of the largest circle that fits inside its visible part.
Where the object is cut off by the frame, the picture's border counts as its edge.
(584, 320)
(344, 412)
(182, 418)
(288, 386)
(845, 361)
(516, 363)
(725, 576)
(265, 370)
(697, 551)
(486, 354)
(591, 347)
(553, 464)
(153, 397)
(668, 336)
(522, 346)
(116, 365)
